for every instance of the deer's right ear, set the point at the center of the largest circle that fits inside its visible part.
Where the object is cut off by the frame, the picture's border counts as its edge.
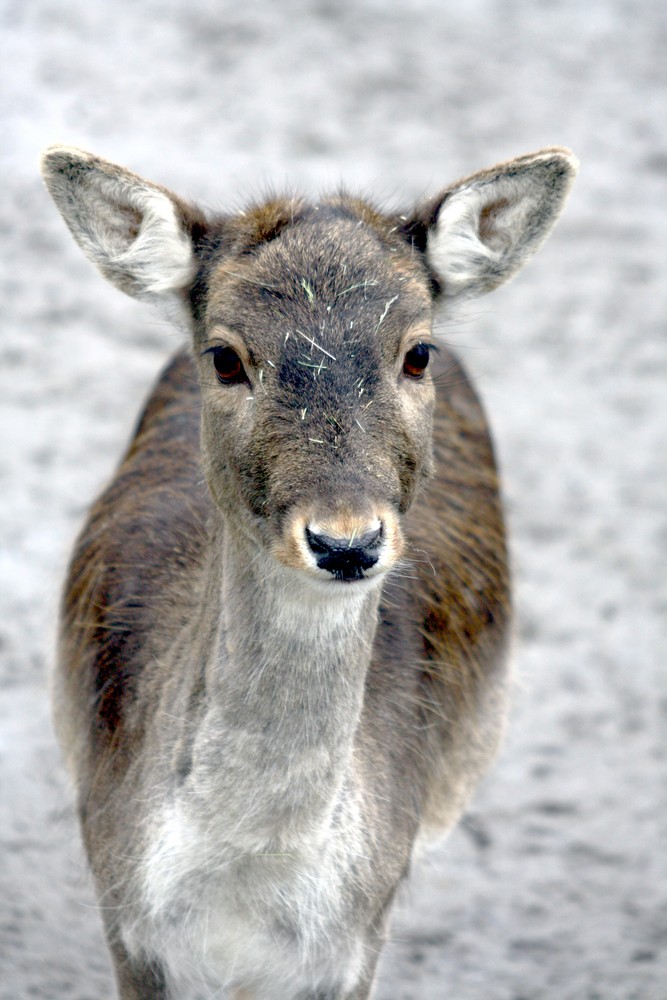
(138, 234)
(482, 230)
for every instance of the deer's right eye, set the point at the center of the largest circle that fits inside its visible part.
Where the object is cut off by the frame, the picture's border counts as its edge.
(228, 366)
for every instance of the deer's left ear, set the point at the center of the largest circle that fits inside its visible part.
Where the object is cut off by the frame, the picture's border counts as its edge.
(482, 230)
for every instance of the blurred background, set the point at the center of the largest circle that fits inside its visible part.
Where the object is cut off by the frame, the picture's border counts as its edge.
(555, 884)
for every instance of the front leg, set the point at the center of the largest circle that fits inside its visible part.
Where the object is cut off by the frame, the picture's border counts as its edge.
(136, 979)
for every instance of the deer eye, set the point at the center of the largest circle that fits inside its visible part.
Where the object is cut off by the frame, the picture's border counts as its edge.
(416, 361)
(228, 366)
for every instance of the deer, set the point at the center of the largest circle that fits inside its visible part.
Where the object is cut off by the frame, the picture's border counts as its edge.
(283, 657)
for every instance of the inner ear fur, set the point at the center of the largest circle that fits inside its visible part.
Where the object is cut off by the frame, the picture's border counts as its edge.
(479, 232)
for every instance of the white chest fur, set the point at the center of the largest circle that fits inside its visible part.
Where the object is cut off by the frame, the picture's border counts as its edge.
(278, 925)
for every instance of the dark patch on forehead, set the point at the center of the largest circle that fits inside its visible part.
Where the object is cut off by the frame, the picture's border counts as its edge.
(312, 372)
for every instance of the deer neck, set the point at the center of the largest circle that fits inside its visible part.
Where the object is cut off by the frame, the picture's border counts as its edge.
(285, 680)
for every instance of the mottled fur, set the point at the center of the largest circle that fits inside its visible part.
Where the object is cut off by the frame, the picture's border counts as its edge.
(256, 743)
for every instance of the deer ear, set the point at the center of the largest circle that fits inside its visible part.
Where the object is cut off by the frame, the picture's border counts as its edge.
(484, 229)
(138, 234)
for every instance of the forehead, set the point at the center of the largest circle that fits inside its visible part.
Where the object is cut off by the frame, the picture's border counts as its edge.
(325, 276)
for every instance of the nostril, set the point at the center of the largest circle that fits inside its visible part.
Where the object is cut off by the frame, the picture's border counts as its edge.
(318, 543)
(371, 541)
(346, 558)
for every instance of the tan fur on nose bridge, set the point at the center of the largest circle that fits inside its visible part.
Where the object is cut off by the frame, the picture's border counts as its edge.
(345, 526)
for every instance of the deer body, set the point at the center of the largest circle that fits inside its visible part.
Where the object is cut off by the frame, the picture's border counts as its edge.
(285, 624)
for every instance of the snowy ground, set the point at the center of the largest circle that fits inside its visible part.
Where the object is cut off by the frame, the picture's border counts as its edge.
(555, 886)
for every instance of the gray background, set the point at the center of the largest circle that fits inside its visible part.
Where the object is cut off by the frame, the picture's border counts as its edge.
(554, 886)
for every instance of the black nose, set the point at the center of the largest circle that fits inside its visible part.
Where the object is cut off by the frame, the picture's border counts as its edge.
(346, 558)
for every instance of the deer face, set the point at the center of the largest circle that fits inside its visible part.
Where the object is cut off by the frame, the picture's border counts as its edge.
(311, 330)
(313, 354)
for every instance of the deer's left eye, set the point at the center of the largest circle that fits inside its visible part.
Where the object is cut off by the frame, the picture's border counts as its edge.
(416, 360)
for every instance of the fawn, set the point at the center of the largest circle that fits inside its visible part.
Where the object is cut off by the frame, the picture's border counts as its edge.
(283, 649)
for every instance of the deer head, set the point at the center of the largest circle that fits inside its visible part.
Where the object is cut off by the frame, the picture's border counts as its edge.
(311, 326)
